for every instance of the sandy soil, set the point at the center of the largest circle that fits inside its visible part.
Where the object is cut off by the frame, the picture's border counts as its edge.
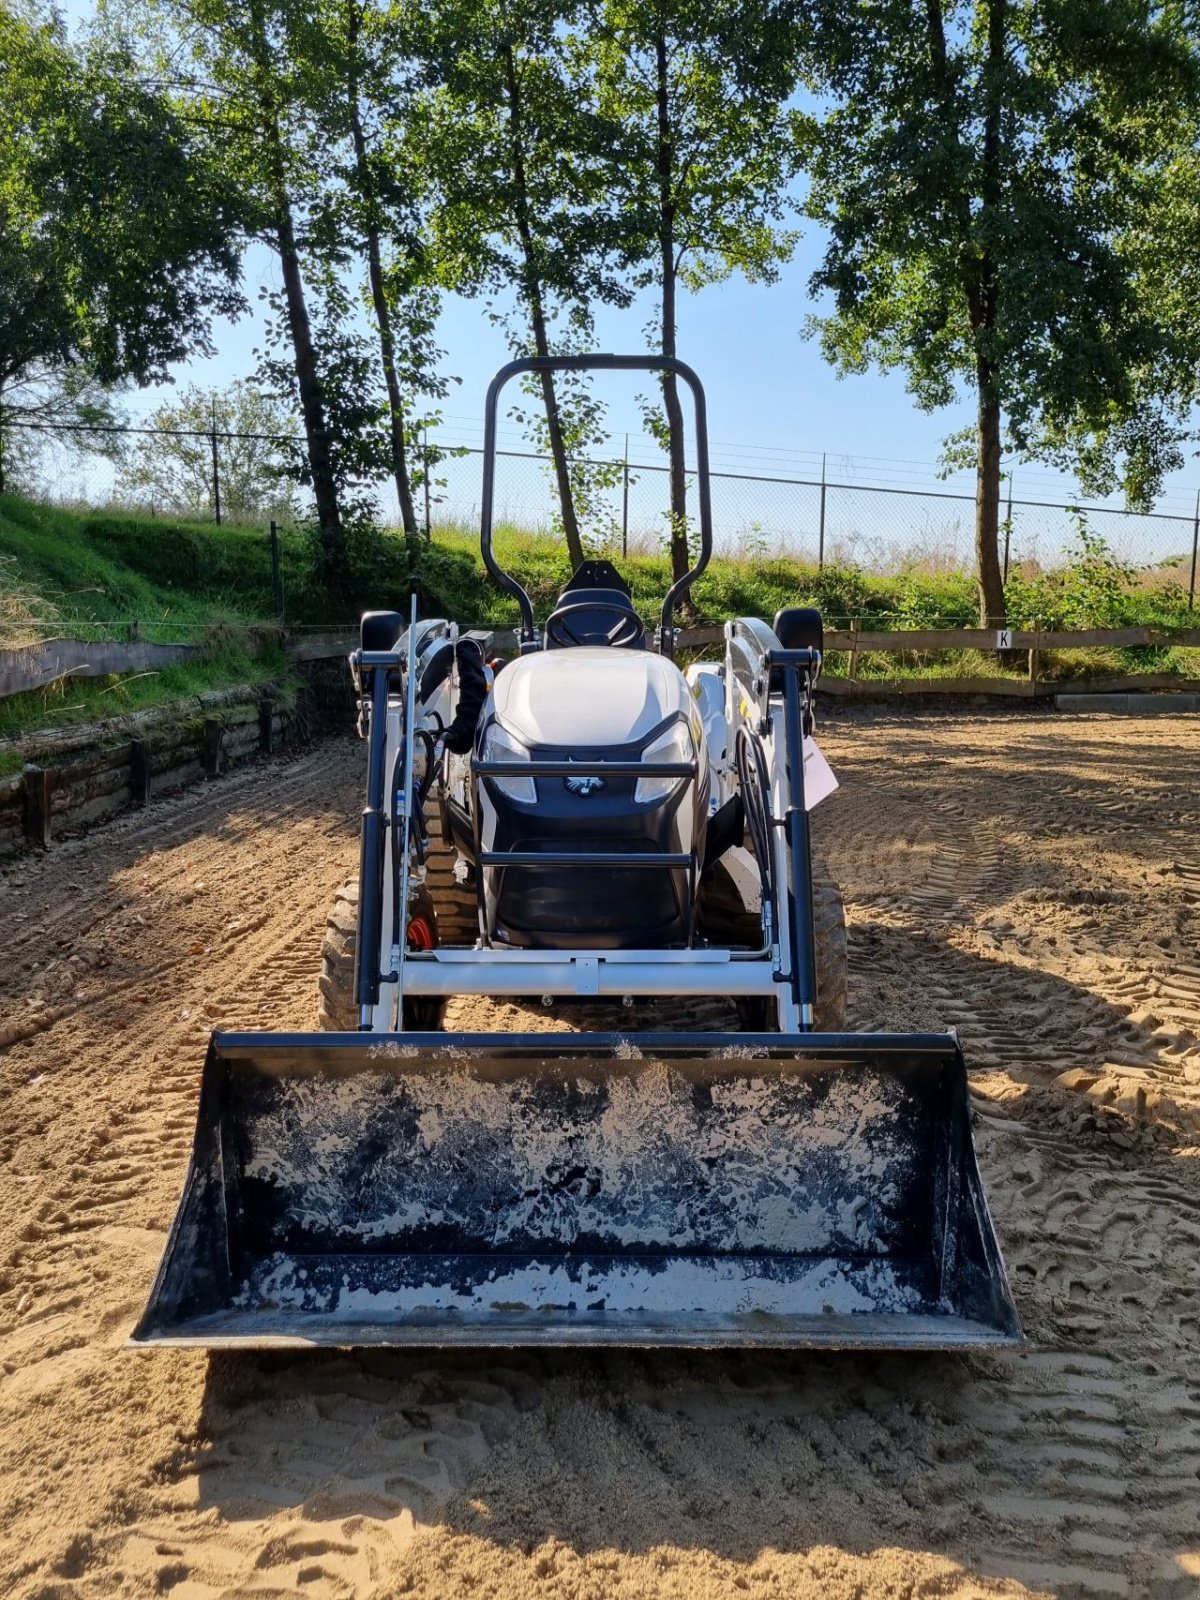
(1033, 881)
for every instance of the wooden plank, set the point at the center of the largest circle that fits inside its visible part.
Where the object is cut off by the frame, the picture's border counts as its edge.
(697, 638)
(320, 646)
(37, 665)
(1021, 639)
(139, 772)
(1126, 683)
(212, 750)
(1003, 688)
(266, 724)
(886, 688)
(40, 784)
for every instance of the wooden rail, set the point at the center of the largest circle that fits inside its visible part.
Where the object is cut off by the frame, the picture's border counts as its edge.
(969, 638)
(38, 665)
(1018, 639)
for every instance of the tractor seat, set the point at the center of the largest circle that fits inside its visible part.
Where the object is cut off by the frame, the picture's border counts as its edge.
(595, 609)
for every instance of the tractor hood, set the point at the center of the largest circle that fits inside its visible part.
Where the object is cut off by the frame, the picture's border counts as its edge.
(590, 697)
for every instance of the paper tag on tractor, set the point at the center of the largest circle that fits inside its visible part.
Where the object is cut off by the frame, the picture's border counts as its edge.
(819, 781)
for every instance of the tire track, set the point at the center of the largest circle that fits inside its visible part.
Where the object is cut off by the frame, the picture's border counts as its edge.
(1072, 1470)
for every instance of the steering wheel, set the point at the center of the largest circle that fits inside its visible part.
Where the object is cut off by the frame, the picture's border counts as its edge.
(627, 629)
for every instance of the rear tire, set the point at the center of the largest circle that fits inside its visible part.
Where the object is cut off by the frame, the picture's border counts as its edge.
(454, 902)
(337, 1009)
(759, 1015)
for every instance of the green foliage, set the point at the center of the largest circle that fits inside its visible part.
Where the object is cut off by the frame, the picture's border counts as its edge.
(226, 564)
(116, 228)
(1095, 589)
(988, 170)
(695, 95)
(173, 579)
(946, 601)
(171, 467)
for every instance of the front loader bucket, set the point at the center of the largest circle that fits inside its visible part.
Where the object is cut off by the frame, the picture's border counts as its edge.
(567, 1189)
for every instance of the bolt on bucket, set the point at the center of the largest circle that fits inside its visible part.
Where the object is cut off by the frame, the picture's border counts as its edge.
(707, 1189)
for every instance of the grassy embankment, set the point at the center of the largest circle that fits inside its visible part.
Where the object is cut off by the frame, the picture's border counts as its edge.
(94, 575)
(1094, 592)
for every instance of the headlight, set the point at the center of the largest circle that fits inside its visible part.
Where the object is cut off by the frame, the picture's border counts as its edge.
(674, 745)
(501, 746)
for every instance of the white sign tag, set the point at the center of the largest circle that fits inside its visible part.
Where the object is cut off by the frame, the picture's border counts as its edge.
(819, 781)
(1004, 639)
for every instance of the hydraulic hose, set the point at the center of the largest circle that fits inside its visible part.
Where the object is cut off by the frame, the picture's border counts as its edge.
(755, 787)
(418, 817)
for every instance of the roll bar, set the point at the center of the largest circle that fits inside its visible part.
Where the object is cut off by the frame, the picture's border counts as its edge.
(594, 363)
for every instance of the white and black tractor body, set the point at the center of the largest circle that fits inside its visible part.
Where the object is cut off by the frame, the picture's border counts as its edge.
(585, 822)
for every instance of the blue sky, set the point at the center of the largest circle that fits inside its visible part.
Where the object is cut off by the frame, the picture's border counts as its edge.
(773, 402)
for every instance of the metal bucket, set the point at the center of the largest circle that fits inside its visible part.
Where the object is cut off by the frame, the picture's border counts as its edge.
(568, 1189)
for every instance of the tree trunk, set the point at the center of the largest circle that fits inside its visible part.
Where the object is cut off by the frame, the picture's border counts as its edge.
(316, 432)
(980, 286)
(680, 557)
(535, 303)
(308, 383)
(987, 506)
(383, 316)
(983, 304)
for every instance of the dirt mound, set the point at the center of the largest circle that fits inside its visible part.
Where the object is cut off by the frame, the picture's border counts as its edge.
(1033, 882)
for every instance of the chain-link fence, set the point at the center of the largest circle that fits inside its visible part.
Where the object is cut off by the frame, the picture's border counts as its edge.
(623, 502)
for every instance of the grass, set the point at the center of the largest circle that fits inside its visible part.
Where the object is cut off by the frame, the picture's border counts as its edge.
(93, 575)
(222, 664)
(1094, 591)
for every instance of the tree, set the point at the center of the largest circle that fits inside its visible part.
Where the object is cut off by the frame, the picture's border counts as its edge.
(46, 404)
(518, 158)
(230, 69)
(696, 95)
(172, 465)
(359, 82)
(975, 168)
(115, 224)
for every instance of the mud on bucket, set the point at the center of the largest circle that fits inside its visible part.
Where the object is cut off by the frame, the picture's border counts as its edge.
(662, 1189)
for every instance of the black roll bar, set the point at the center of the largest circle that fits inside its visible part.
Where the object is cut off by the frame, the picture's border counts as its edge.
(594, 363)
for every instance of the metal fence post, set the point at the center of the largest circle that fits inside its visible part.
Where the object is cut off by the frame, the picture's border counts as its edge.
(1007, 527)
(821, 525)
(425, 452)
(276, 573)
(1195, 545)
(215, 466)
(625, 504)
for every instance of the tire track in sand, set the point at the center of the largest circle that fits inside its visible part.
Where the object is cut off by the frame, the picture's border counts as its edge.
(1069, 1471)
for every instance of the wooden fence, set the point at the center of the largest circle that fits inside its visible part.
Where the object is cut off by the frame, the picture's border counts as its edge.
(38, 665)
(82, 775)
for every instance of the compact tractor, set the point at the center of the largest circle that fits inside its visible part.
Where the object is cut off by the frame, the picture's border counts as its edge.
(585, 827)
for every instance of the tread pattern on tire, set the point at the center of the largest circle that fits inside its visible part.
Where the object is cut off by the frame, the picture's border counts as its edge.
(337, 1009)
(454, 902)
(829, 929)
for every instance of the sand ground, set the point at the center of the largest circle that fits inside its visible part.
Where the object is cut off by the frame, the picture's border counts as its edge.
(1032, 880)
